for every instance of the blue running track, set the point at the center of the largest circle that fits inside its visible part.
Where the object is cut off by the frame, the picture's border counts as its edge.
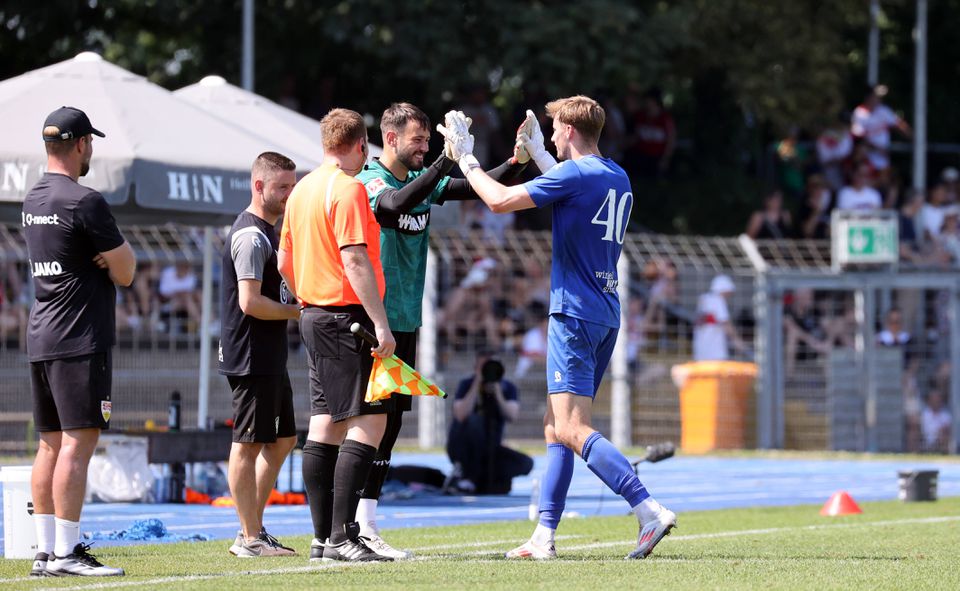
(682, 484)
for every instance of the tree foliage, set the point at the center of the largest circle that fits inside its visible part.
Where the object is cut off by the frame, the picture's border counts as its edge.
(737, 73)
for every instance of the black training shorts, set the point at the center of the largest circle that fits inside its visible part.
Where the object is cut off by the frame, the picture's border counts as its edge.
(339, 362)
(262, 408)
(72, 393)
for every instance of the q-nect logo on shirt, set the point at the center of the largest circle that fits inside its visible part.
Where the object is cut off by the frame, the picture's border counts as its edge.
(42, 220)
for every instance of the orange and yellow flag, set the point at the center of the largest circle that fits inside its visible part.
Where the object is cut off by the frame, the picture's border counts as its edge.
(391, 375)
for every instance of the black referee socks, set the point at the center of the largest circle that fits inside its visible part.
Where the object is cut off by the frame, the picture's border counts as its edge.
(319, 464)
(353, 466)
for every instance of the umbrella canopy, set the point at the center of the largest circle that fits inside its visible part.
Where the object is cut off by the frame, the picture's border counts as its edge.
(258, 115)
(163, 158)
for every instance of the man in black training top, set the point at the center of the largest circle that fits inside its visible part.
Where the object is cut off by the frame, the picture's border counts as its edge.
(77, 257)
(255, 308)
(401, 192)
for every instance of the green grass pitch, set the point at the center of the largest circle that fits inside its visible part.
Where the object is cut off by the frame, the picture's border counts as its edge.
(892, 545)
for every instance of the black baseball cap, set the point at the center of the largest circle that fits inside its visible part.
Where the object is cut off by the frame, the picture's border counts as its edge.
(70, 123)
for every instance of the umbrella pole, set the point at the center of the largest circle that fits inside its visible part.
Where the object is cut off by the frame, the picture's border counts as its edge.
(206, 307)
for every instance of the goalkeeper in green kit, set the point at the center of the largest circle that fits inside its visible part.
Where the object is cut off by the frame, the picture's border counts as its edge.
(402, 191)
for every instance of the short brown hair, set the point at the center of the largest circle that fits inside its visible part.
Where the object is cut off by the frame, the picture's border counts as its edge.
(269, 162)
(397, 115)
(340, 129)
(54, 145)
(581, 112)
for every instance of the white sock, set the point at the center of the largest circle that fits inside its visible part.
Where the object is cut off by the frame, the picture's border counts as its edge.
(543, 536)
(647, 510)
(46, 532)
(68, 536)
(367, 517)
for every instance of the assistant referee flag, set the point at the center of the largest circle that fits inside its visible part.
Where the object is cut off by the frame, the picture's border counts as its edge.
(390, 375)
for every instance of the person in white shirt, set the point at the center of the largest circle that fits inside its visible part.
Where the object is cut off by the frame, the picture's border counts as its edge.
(859, 194)
(872, 122)
(834, 147)
(935, 423)
(714, 330)
(933, 212)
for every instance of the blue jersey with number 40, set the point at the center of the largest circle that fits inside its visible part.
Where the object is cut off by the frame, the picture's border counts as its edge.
(591, 200)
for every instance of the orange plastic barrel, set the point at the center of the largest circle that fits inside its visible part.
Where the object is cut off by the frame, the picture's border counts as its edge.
(715, 399)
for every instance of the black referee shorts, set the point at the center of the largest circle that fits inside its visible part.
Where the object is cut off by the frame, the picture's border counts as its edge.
(72, 393)
(262, 408)
(339, 362)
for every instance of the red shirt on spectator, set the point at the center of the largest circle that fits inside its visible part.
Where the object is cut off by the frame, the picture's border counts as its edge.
(652, 132)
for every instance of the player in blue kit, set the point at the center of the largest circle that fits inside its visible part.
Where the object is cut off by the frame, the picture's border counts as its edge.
(591, 200)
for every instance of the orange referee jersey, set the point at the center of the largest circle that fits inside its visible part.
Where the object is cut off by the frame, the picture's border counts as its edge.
(327, 211)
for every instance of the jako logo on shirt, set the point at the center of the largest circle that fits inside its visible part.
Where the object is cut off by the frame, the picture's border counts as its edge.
(415, 223)
(46, 269)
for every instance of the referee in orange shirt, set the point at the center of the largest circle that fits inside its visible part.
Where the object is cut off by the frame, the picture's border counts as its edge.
(330, 258)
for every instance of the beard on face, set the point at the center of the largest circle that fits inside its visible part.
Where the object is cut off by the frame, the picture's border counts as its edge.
(84, 168)
(274, 206)
(411, 159)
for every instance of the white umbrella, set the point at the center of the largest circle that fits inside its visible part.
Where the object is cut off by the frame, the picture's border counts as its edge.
(258, 115)
(163, 158)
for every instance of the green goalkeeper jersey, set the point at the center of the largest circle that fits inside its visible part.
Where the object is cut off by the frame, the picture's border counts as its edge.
(404, 240)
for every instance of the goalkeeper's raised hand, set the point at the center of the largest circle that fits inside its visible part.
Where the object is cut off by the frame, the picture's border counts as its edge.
(530, 140)
(458, 143)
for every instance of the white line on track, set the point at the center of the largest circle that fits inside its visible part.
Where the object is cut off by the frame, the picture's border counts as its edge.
(304, 569)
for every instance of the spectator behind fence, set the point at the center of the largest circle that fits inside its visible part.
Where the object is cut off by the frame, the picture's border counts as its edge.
(871, 123)
(533, 349)
(804, 335)
(792, 157)
(772, 221)
(859, 195)
(893, 335)
(933, 212)
(14, 305)
(950, 234)
(178, 292)
(483, 404)
(834, 149)
(654, 137)
(935, 422)
(815, 209)
(714, 331)
(950, 178)
(468, 311)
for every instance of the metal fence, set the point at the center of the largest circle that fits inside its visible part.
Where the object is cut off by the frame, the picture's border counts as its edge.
(825, 381)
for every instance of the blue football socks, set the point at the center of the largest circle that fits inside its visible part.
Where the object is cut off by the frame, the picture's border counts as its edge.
(612, 468)
(556, 483)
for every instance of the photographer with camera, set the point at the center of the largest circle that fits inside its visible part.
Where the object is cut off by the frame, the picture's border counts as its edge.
(484, 402)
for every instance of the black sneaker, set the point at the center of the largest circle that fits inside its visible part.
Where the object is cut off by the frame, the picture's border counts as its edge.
(352, 551)
(80, 563)
(39, 568)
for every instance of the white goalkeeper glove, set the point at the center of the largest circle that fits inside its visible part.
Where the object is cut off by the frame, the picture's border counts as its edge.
(530, 139)
(458, 143)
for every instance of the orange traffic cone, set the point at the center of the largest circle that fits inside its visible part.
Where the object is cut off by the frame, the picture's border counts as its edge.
(840, 503)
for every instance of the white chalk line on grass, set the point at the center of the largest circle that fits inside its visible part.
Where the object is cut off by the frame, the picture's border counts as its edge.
(596, 545)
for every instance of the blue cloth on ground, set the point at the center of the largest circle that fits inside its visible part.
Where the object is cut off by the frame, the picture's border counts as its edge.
(146, 530)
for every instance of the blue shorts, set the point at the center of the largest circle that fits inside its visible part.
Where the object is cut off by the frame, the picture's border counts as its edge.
(578, 353)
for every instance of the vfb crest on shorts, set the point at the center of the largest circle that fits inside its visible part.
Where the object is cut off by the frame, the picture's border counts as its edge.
(106, 408)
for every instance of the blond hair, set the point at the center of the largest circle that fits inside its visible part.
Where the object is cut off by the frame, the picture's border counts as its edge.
(580, 112)
(340, 129)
